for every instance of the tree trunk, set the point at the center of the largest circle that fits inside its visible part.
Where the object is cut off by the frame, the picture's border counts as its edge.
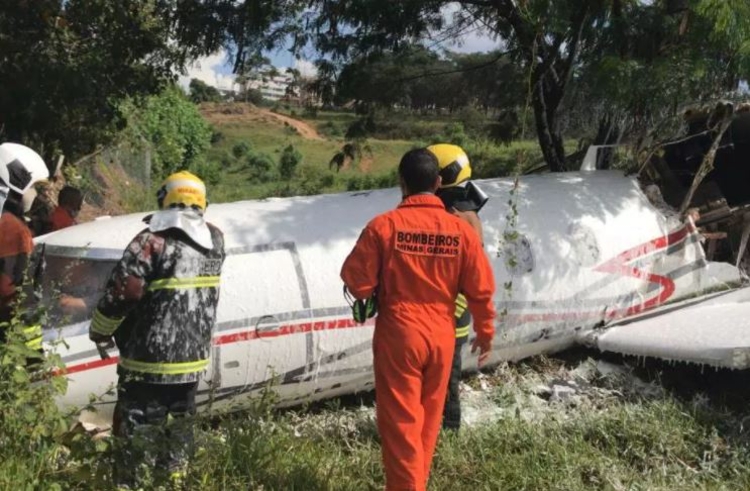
(545, 117)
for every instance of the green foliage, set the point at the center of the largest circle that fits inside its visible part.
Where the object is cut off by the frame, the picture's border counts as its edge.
(254, 96)
(310, 112)
(622, 443)
(37, 450)
(455, 133)
(423, 80)
(208, 171)
(216, 137)
(331, 129)
(308, 180)
(288, 162)
(173, 126)
(202, 92)
(241, 149)
(364, 182)
(67, 65)
(260, 168)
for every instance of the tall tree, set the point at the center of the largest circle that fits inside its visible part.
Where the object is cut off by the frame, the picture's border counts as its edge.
(551, 40)
(200, 91)
(66, 64)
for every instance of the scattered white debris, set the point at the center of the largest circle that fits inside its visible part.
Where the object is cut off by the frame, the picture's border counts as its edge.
(531, 394)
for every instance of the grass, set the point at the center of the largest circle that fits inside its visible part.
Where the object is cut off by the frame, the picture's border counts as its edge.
(623, 440)
(615, 433)
(375, 169)
(271, 138)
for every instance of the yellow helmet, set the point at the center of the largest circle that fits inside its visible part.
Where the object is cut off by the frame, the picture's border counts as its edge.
(454, 164)
(182, 190)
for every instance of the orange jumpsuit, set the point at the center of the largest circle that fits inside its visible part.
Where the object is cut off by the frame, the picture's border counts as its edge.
(417, 258)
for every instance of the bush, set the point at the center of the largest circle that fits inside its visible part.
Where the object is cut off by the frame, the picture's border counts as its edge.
(173, 126)
(240, 149)
(216, 137)
(489, 159)
(331, 129)
(253, 96)
(472, 119)
(388, 180)
(362, 127)
(310, 180)
(227, 160)
(361, 183)
(260, 167)
(310, 112)
(37, 451)
(455, 134)
(288, 162)
(209, 172)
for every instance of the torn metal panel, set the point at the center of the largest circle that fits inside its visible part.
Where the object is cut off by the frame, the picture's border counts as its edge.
(712, 332)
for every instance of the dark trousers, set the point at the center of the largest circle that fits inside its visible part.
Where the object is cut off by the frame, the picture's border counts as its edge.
(154, 433)
(452, 411)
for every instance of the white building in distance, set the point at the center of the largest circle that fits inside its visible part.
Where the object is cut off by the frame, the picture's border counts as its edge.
(272, 87)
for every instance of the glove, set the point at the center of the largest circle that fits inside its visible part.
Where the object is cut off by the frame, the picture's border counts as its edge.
(101, 340)
(484, 345)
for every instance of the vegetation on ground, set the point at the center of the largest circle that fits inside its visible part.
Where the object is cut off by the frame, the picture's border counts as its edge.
(616, 433)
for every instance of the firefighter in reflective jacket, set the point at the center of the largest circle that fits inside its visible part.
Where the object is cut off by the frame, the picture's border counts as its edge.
(463, 199)
(20, 169)
(416, 259)
(160, 304)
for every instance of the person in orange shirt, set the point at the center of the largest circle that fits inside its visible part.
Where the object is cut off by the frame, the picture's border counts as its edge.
(69, 203)
(415, 260)
(23, 168)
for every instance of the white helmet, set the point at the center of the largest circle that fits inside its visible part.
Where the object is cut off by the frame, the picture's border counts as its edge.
(24, 168)
(3, 185)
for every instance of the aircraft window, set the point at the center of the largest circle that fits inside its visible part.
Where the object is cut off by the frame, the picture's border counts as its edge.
(519, 259)
(76, 283)
(584, 248)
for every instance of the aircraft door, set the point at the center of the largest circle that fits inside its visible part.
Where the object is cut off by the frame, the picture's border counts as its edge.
(263, 303)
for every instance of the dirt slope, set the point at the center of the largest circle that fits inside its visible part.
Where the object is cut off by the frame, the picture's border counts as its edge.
(242, 112)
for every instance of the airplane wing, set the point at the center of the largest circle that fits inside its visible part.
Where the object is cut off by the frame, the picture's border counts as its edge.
(711, 330)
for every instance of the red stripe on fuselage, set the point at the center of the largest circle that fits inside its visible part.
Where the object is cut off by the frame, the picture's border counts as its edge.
(239, 337)
(616, 265)
(619, 265)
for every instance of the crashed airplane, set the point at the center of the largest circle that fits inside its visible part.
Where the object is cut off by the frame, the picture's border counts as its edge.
(589, 257)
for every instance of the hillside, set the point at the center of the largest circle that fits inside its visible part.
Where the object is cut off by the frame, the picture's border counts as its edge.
(266, 133)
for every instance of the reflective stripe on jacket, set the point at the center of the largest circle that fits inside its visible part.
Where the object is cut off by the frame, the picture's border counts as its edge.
(160, 303)
(463, 317)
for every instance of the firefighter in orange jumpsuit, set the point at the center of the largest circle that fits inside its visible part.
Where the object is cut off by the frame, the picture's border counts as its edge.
(416, 259)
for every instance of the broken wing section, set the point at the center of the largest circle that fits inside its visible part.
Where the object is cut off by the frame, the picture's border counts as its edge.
(711, 331)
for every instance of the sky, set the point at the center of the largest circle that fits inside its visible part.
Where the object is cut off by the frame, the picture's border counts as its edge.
(216, 69)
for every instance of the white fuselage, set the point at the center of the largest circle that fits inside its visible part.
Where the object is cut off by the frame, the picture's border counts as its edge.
(588, 248)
